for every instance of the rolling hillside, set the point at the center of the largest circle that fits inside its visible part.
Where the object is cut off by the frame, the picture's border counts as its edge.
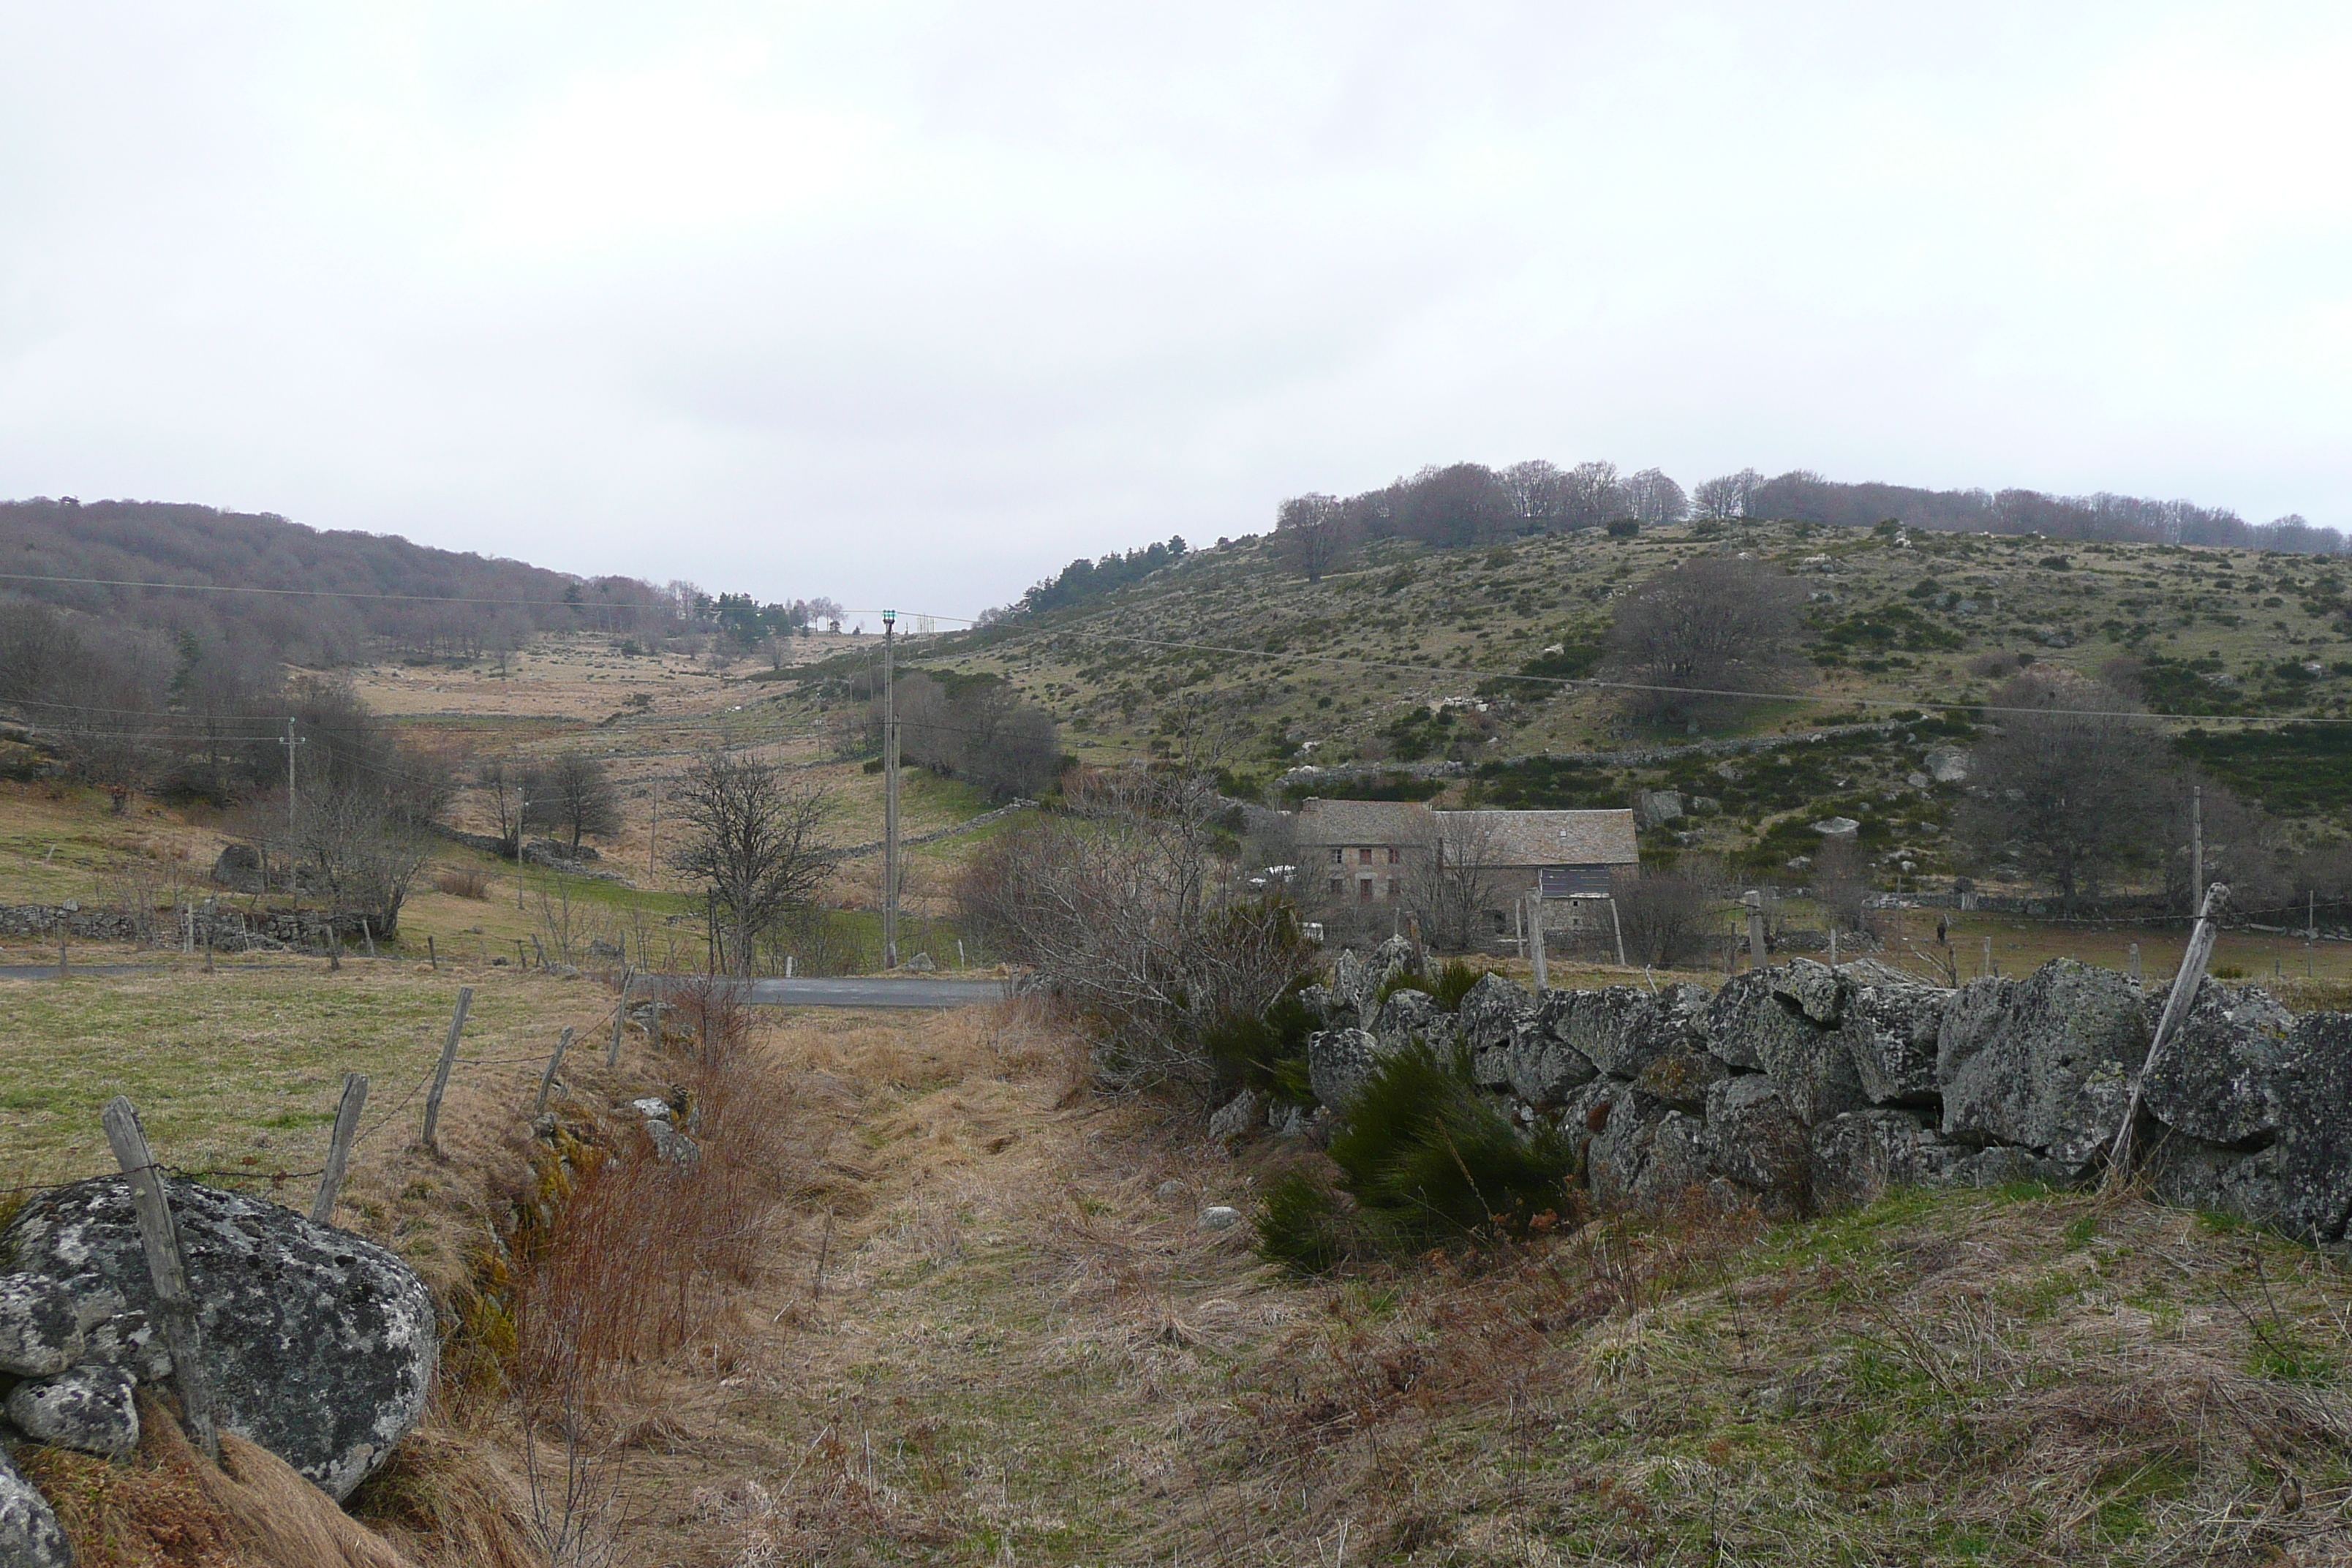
(1421, 669)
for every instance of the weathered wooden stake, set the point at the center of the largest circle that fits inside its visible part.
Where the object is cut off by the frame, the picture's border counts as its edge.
(1833, 962)
(1988, 955)
(1618, 927)
(167, 1269)
(2135, 962)
(2185, 982)
(208, 948)
(521, 960)
(540, 948)
(620, 1020)
(367, 936)
(339, 1147)
(547, 1078)
(441, 1073)
(61, 956)
(432, 958)
(1754, 901)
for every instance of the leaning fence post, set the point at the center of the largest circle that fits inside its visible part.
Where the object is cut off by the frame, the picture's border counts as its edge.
(367, 936)
(339, 1147)
(432, 959)
(441, 1073)
(2184, 982)
(175, 1306)
(547, 1078)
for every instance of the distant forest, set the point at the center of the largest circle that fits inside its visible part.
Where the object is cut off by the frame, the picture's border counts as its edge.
(1468, 503)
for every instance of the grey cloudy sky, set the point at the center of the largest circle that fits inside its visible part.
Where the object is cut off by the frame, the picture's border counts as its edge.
(912, 302)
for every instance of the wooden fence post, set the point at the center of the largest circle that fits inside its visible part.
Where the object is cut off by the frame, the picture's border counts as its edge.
(432, 958)
(2184, 982)
(620, 1019)
(441, 1073)
(367, 936)
(167, 1269)
(339, 1146)
(1754, 902)
(1617, 926)
(547, 1078)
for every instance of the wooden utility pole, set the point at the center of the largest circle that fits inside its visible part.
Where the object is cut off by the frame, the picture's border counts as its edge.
(889, 793)
(2185, 982)
(289, 742)
(339, 1146)
(1536, 938)
(167, 1269)
(653, 838)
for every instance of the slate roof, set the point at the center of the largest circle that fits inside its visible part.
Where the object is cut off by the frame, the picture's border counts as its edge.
(1549, 837)
(1512, 837)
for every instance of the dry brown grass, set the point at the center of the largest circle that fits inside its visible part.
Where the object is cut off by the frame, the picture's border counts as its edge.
(463, 883)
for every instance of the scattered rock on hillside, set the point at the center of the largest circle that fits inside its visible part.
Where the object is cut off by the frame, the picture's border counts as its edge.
(1238, 1117)
(321, 1346)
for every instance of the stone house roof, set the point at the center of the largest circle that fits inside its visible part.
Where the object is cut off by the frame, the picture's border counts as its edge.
(1549, 837)
(1505, 837)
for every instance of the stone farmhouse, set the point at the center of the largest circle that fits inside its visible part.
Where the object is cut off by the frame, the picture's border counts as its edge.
(1369, 853)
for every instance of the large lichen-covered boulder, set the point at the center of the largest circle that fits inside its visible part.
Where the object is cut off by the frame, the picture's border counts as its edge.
(30, 1536)
(1681, 1078)
(1404, 1014)
(1485, 1019)
(1858, 1157)
(1753, 1024)
(1623, 1028)
(1544, 1068)
(1752, 1139)
(2189, 1172)
(2047, 1066)
(2217, 1080)
(1339, 1063)
(1814, 989)
(321, 1347)
(1890, 1032)
(2313, 1150)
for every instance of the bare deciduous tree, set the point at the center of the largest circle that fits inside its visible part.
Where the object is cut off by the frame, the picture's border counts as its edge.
(1313, 533)
(1455, 882)
(1696, 637)
(1668, 915)
(574, 793)
(2071, 790)
(755, 833)
(1590, 495)
(1726, 498)
(1123, 906)
(1653, 499)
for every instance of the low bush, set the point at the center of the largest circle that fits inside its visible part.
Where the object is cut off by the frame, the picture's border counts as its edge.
(1428, 1159)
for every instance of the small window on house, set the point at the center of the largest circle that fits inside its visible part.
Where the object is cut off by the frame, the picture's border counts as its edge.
(1338, 884)
(1338, 856)
(1364, 890)
(1396, 857)
(1363, 857)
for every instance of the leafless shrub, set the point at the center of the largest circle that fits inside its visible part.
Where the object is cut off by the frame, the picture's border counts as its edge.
(1668, 916)
(463, 884)
(1125, 909)
(755, 833)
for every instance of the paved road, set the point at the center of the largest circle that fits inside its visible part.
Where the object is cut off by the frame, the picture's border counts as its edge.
(862, 993)
(50, 971)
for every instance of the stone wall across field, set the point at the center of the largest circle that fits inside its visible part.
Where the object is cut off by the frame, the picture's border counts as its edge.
(1800, 1086)
(231, 930)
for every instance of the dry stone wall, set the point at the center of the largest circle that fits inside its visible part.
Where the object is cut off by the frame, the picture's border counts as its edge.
(1799, 1086)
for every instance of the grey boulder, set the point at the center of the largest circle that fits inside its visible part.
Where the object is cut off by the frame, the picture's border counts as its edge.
(1859, 1156)
(2047, 1066)
(1813, 989)
(1752, 1139)
(44, 1323)
(1545, 1069)
(1404, 1014)
(89, 1408)
(1238, 1117)
(2217, 1080)
(1624, 1028)
(321, 1347)
(1339, 1063)
(2313, 1150)
(30, 1536)
(1890, 1032)
(1755, 1022)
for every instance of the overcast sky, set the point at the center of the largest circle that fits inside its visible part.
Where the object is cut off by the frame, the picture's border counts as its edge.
(910, 303)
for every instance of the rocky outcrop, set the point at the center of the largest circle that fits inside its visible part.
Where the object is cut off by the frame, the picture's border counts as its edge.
(321, 1347)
